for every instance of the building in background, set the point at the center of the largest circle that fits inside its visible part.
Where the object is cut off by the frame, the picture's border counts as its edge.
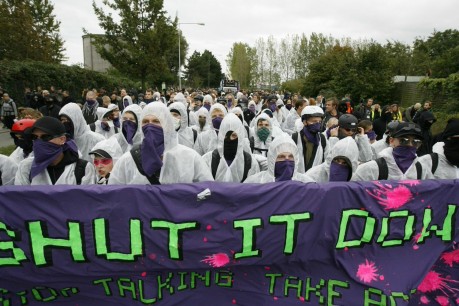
(92, 58)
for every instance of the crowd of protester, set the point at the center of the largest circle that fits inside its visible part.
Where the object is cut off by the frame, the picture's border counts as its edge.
(248, 137)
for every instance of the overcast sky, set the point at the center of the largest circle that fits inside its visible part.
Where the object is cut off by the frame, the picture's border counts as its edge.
(227, 22)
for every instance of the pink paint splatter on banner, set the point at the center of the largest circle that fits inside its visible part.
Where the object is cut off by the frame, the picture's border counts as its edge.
(209, 227)
(411, 183)
(434, 281)
(275, 298)
(144, 274)
(424, 300)
(367, 272)
(216, 260)
(391, 198)
(442, 300)
(204, 239)
(152, 256)
(301, 299)
(450, 258)
(234, 301)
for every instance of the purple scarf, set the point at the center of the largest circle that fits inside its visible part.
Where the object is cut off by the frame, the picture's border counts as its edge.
(313, 138)
(152, 148)
(338, 172)
(129, 130)
(404, 156)
(46, 152)
(283, 170)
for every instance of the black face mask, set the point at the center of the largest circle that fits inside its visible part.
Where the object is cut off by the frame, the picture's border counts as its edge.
(230, 148)
(69, 129)
(25, 143)
(451, 149)
(202, 123)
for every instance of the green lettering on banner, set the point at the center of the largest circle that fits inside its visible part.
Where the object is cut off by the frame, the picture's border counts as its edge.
(23, 296)
(291, 231)
(175, 235)
(368, 231)
(298, 286)
(272, 281)
(41, 244)
(8, 246)
(4, 300)
(65, 291)
(398, 295)
(445, 234)
(38, 296)
(205, 278)
(225, 276)
(125, 284)
(248, 227)
(331, 293)
(102, 241)
(316, 289)
(183, 285)
(104, 282)
(368, 300)
(166, 284)
(142, 295)
(409, 228)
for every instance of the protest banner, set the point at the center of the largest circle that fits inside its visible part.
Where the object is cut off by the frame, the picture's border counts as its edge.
(380, 243)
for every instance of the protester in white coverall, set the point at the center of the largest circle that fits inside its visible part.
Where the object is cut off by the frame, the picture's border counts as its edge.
(186, 135)
(339, 165)
(8, 169)
(282, 163)
(131, 134)
(55, 160)
(77, 129)
(160, 159)
(104, 124)
(447, 153)
(203, 120)
(399, 160)
(207, 141)
(231, 160)
(105, 154)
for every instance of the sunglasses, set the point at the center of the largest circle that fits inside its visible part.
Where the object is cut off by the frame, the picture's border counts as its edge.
(350, 130)
(410, 142)
(103, 161)
(44, 137)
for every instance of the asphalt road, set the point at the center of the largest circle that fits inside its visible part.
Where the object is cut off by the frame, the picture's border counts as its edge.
(5, 138)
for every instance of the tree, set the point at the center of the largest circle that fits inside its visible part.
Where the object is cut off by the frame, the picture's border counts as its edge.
(240, 63)
(203, 70)
(30, 31)
(143, 43)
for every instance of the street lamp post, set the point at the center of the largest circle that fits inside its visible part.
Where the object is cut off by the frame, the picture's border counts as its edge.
(179, 51)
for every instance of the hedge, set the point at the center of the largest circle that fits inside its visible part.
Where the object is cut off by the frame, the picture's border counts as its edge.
(15, 76)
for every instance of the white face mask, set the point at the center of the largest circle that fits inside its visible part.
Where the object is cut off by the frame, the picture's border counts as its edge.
(177, 123)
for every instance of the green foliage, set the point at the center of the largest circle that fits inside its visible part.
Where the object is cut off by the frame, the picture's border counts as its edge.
(240, 61)
(16, 75)
(30, 31)
(203, 70)
(363, 72)
(143, 45)
(442, 120)
(7, 150)
(293, 86)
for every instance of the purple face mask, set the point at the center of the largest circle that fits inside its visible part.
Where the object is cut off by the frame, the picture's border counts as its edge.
(252, 108)
(129, 130)
(371, 135)
(404, 157)
(207, 106)
(116, 122)
(152, 148)
(315, 128)
(216, 122)
(91, 102)
(313, 138)
(273, 107)
(105, 126)
(283, 170)
(229, 104)
(288, 106)
(46, 152)
(338, 172)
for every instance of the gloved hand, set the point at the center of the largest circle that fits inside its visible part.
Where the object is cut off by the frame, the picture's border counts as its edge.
(262, 162)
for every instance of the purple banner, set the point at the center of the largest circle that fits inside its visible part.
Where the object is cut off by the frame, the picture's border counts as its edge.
(388, 243)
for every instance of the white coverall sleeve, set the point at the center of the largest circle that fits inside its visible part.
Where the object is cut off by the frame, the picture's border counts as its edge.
(255, 168)
(120, 174)
(9, 169)
(201, 170)
(365, 152)
(366, 172)
(23, 173)
(90, 176)
(198, 147)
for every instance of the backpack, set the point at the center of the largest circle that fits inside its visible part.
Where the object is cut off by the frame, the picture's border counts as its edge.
(137, 156)
(216, 160)
(384, 170)
(195, 135)
(434, 157)
(323, 142)
(80, 169)
(252, 145)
